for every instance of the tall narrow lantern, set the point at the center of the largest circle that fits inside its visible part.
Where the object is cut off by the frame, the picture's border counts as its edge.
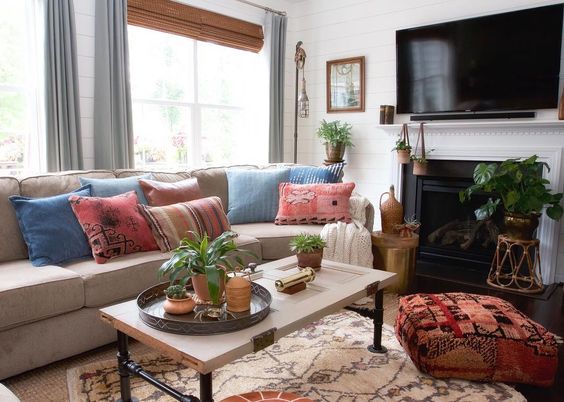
(301, 102)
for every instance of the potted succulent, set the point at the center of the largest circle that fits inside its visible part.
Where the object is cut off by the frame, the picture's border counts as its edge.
(336, 136)
(309, 250)
(518, 185)
(402, 146)
(206, 262)
(178, 301)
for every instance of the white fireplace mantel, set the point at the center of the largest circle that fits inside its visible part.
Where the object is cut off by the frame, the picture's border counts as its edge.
(497, 141)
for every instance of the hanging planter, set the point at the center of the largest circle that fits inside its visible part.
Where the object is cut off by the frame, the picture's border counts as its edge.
(420, 162)
(402, 147)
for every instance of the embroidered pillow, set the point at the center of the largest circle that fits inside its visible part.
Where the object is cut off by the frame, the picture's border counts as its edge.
(314, 203)
(50, 229)
(111, 187)
(313, 174)
(159, 193)
(170, 223)
(253, 194)
(113, 225)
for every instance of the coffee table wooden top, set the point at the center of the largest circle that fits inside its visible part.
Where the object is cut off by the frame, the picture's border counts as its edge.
(336, 285)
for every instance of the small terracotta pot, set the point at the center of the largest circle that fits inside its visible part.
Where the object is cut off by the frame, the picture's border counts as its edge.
(200, 284)
(179, 306)
(312, 260)
(403, 156)
(238, 294)
(519, 226)
(420, 168)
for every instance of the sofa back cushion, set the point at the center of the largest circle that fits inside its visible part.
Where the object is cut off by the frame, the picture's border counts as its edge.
(111, 187)
(159, 193)
(213, 181)
(58, 183)
(12, 245)
(167, 177)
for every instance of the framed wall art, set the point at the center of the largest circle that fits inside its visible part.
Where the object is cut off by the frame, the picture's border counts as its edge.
(345, 85)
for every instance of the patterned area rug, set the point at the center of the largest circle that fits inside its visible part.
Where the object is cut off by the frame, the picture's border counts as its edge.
(326, 361)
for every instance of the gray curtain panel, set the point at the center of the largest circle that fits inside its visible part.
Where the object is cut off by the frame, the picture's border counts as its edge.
(62, 104)
(113, 128)
(275, 28)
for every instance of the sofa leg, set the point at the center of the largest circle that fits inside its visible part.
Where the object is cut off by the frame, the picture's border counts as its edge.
(124, 374)
(378, 318)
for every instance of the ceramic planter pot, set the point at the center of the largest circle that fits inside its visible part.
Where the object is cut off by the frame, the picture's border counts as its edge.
(200, 284)
(335, 153)
(420, 168)
(179, 306)
(312, 260)
(403, 156)
(238, 294)
(519, 226)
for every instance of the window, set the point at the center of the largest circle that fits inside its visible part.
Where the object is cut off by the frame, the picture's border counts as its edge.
(195, 103)
(21, 104)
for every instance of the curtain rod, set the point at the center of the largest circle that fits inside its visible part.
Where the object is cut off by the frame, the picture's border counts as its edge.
(263, 7)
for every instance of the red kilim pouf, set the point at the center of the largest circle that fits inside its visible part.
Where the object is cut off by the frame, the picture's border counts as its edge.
(267, 396)
(475, 337)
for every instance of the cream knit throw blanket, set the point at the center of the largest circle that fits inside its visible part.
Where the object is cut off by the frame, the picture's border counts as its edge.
(350, 243)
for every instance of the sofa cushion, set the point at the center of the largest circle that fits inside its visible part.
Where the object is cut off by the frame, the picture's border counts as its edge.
(213, 181)
(58, 183)
(249, 243)
(274, 239)
(253, 194)
(160, 193)
(50, 229)
(316, 174)
(171, 223)
(29, 293)
(113, 225)
(118, 279)
(314, 203)
(111, 187)
(12, 246)
(167, 177)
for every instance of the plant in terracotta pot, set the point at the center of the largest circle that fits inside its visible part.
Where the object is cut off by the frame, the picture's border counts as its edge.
(206, 262)
(309, 250)
(517, 185)
(337, 137)
(178, 301)
(420, 163)
(402, 147)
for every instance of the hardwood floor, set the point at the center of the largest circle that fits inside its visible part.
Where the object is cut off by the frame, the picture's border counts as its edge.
(549, 313)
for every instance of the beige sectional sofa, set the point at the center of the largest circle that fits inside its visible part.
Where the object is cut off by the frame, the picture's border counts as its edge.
(51, 312)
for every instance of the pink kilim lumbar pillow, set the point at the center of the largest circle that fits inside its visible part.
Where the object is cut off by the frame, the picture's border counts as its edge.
(475, 337)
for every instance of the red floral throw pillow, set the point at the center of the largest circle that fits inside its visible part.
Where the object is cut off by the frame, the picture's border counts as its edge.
(475, 337)
(313, 203)
(113, 225)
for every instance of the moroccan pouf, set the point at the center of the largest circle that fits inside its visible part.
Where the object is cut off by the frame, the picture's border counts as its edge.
(475, 337)
(267, 396)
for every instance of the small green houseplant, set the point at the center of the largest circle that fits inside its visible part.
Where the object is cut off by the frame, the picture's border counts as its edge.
(402, 147)
(519, 187)
(206, 262)
(176, 292)
(308, 249)
(178, 301)
(336, 136)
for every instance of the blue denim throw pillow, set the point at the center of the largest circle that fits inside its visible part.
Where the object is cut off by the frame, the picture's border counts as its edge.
(50, 229)
(253, 194)
(315, 175)
(111, 187)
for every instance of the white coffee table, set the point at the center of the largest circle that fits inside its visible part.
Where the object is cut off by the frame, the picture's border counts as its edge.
(336, 286)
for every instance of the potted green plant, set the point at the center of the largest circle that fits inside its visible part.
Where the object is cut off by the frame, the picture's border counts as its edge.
(204, 261)
(178, 301)
(309, 250)
(518, 185)
(420, 163)
(402, 147)
(337, 137)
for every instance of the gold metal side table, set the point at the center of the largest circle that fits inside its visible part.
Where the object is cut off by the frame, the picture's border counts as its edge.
(396, 254)
(516, 265)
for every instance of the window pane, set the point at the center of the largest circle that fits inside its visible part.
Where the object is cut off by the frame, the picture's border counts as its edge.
(222, 135)
(12, 111)
(161, 136)
(13, 42)
(11, 153)
(161, 65)
(224, 74)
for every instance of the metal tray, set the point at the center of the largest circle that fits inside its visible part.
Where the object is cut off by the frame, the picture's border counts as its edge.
(150, 304)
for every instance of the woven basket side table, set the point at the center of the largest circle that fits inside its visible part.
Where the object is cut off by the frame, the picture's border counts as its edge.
(516, 265)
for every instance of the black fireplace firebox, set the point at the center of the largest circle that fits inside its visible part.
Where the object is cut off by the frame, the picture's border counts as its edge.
(450, 237)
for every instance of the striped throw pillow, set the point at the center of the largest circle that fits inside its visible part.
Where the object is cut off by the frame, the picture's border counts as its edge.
(170, 223)
(316, 175)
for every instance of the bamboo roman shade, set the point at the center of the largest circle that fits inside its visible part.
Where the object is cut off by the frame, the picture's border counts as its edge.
(181, 19)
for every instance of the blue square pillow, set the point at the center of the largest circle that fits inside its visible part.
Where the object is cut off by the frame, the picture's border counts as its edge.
(50, 229)
(111, 187)
(313, 174)
(253, 194)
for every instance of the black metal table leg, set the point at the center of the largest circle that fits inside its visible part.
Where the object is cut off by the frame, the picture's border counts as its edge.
(206, 387)
(378, 318)
(123, 359)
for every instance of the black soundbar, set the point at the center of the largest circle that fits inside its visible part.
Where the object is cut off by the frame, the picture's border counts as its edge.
(472, 116)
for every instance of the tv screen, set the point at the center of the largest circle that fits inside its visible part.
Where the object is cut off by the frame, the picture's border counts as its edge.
(501, 62)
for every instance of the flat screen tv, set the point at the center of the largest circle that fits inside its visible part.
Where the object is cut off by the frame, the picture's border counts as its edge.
(499, 62)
